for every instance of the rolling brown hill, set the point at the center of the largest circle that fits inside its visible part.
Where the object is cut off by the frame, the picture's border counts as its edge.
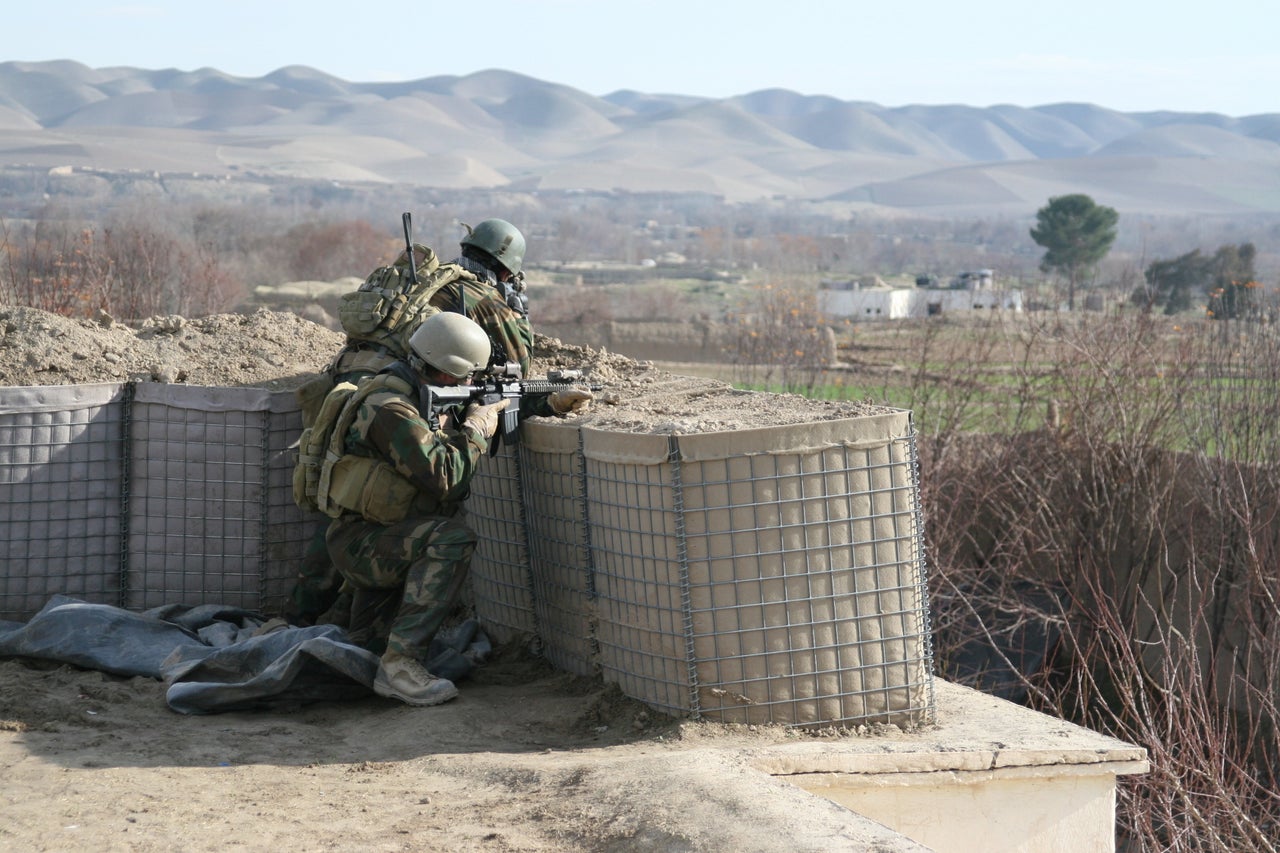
(499, 129)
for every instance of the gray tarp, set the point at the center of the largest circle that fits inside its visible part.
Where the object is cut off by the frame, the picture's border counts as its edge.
(216, 658)
(213, 658)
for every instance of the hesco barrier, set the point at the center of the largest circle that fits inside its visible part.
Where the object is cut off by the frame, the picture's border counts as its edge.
(763, 576)
(145, 494)
(760, 576)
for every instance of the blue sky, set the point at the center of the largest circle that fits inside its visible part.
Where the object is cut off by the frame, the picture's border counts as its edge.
(1224, 57)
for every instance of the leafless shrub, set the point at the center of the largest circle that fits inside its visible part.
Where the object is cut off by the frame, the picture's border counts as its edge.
(56, 269)
(130, 271)
(325, 251)
(1118, 564)
(781, 340)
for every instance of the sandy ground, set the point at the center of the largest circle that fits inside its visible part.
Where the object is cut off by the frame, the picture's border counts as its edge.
(526, 759)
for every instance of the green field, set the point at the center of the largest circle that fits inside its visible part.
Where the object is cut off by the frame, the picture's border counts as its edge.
(1182, 385)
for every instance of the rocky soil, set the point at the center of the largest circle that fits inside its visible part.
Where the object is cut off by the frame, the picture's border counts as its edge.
(280, 350)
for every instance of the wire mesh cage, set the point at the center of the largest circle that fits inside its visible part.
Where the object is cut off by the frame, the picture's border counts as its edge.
(559, 548)
(62, 462)
(142, 494)
(501, 587)
(761, 576)
(771, 575)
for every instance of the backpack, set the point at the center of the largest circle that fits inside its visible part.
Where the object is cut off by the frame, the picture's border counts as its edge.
(329, 480)
(381, 314)
(386, 309)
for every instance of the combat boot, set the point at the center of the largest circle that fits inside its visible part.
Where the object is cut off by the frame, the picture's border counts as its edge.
(402, 677)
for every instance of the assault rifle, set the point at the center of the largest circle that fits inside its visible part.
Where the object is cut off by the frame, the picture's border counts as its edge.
(504, 384)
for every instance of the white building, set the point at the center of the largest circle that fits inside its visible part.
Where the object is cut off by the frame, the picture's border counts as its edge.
(878, 301)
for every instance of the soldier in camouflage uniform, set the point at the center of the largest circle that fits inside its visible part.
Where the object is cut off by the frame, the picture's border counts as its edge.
(407, 576)
(491, 291)
(493, 252)
(492, 294)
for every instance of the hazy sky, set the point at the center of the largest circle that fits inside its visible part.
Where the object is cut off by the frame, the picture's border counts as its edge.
(1128, 55)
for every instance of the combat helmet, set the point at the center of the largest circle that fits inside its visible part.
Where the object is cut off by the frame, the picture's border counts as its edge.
(500, 240)
(452, 343)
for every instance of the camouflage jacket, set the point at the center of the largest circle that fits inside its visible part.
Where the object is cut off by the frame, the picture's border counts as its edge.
(439, 462)
(508, 329)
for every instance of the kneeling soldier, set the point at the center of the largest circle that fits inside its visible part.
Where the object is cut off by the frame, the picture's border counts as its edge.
(398, 544)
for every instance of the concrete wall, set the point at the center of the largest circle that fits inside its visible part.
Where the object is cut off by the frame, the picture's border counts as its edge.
(900, 303)
(1050, 809)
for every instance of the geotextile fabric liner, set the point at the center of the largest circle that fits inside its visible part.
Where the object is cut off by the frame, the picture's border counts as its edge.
(500, 583)
(530, 576)
(61, 467)
(554, 479)
(771, 575)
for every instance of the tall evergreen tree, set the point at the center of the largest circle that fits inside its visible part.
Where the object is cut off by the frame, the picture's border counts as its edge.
(1077, 234)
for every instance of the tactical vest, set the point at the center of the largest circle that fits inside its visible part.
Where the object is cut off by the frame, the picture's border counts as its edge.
(328, 479)
(379, 318)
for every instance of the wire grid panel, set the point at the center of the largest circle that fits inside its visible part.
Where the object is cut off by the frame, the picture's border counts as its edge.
(501, 588)
(806, 588)
(785, 563)
(197, 501)
(640, 575)
(61, 465)
(559, 554)
(289, 530)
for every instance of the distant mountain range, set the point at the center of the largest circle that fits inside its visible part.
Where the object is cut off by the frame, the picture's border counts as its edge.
(498, 129)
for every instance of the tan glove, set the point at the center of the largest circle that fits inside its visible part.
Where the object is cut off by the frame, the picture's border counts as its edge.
(570, 400)
(484, 419)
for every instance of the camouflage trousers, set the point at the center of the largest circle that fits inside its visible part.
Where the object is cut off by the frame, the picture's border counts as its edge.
(405, 578)
(318, 582)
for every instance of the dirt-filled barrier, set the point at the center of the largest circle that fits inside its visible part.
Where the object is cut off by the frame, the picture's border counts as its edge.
(728, 554)
(773, 575)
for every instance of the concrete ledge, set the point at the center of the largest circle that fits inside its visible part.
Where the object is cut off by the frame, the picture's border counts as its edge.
(974, 732)
(991, 776)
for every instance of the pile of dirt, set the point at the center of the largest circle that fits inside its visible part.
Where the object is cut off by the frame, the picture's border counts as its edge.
(280, 350)
(264, 349)
(639, 397)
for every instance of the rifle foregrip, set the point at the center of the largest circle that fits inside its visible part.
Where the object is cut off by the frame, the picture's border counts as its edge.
(544, 386)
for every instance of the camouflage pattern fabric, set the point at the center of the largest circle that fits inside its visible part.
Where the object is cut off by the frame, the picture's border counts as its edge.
(509, 331)
(440, 462)
(406, 578)
(425, 557)
(316, 586)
